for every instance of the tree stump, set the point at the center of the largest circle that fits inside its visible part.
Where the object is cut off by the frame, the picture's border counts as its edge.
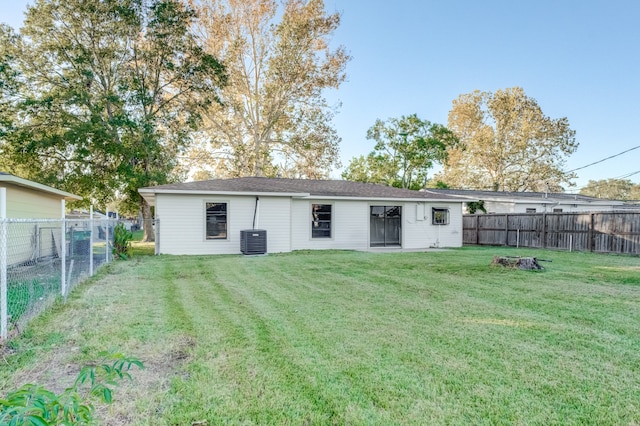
(528, 263)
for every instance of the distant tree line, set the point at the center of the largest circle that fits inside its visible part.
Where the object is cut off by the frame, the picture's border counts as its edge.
(612, 189)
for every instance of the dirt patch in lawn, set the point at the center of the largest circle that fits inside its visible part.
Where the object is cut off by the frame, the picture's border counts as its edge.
(56, 370)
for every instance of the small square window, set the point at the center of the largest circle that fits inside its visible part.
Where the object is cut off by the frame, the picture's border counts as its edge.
(439, 216)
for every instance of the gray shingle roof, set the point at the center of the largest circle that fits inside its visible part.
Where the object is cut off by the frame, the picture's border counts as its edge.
(318, 188)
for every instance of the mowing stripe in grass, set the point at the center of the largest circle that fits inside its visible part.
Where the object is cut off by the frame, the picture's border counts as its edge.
(362, 338)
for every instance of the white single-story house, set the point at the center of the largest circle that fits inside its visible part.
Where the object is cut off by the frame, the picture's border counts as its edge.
(26, 199)
(530, 202)
(208, 217)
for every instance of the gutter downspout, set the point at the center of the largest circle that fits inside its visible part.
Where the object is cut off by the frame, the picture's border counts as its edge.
(255, 212)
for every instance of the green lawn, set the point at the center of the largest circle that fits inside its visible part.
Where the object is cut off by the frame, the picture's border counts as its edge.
(354, 338)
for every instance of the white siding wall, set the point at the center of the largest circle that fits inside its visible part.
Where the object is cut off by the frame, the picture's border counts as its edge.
(274, 215)
(288, 224)
(350, 225)
(419, 234)
(182, 223)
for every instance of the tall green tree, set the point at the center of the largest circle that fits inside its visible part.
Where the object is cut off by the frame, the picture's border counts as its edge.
(112, 88)
(9, 79)
(612, 189)
(273, 118)
(170, 81)
(406, 149)
(507, 143)
(72, 56)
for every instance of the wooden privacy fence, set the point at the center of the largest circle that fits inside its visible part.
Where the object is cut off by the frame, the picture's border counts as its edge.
(603, 232)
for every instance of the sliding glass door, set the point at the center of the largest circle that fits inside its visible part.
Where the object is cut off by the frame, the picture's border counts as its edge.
(385, 226)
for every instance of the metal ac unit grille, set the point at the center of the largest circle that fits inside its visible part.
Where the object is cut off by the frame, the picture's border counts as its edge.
(253, 241)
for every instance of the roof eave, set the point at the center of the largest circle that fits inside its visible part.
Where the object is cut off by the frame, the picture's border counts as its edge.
(15, 180)
(405, 199)
(149, 194)
(144, 191)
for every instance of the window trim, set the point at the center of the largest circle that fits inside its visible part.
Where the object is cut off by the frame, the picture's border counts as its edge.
(331, 230)
(530, 210)
(204, 212)
(447, 216)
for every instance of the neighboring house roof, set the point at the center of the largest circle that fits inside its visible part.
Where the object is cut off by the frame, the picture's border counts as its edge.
(299, 188)
(83, 214)
(525, 197)
(15, 180)
(632, 206)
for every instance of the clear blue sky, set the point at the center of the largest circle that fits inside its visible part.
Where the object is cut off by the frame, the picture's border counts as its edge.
(578, 59)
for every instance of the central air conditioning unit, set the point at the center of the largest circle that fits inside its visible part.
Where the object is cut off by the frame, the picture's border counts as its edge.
(253, 241)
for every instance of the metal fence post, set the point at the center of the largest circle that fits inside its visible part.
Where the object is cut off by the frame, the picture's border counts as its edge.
(106, 239)
(91, 240)
(63, 251)
(4, 305)
(156, 223)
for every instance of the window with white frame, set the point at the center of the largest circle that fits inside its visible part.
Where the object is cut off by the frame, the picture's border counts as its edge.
(321, 220)
(216, 221)
(439, 216)
(530, 210)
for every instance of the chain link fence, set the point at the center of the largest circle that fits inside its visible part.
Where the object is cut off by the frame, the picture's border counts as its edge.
(44, 259)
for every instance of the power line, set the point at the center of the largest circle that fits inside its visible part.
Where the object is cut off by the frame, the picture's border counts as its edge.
(604, 159)
(602, 182)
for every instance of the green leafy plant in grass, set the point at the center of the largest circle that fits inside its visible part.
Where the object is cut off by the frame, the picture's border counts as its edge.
(35, 405)
(122, 242)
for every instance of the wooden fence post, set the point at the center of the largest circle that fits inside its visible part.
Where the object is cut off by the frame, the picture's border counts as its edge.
(592, 233)
(477, 229)
(506, 229)
(544, 230)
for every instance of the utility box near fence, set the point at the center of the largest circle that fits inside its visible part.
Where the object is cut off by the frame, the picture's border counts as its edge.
(253, 241)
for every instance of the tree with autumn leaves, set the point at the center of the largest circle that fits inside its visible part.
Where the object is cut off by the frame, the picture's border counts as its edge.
(507, 144)
(273, 118)
(499, 141)
(612, 189)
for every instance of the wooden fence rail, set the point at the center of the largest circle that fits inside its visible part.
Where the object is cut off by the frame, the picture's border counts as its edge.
(602, 232)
